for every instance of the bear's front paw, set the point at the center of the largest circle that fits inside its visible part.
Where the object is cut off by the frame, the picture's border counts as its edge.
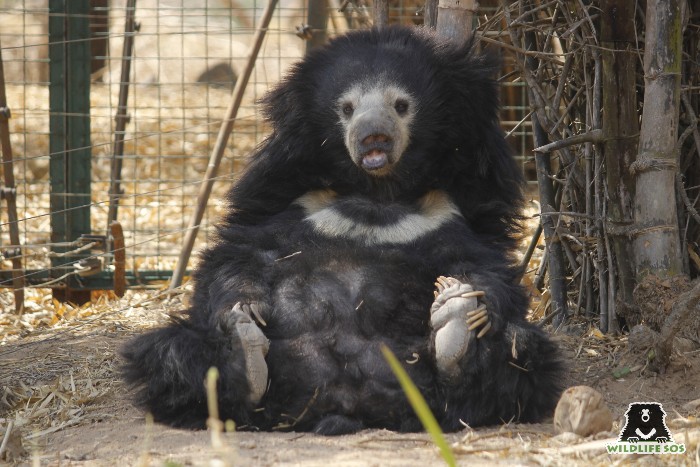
(454, 314)
(255, 347)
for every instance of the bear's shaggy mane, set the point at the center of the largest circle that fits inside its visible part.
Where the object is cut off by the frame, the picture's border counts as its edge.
(457, 146)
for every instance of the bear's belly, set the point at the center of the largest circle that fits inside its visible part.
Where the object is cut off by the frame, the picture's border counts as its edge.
(351, 293)
(311, 379)
(326, 329)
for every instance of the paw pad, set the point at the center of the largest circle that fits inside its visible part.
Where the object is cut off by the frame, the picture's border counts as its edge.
(255, 347)
(454, 299)
(454, 314)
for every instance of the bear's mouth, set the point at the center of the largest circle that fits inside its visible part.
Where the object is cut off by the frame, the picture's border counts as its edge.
(375, 159)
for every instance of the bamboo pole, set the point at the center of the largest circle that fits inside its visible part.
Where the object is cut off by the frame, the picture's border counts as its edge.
(117, 234)
(548, 203)
(220, 145)
(121, 118)
(621, 130)
(454, 19)
(9, 193)
(381, 13)
(431, 14)
(317, 19)
(656, 236)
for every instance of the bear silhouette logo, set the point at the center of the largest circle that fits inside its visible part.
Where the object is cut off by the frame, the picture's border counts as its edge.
(645, 421)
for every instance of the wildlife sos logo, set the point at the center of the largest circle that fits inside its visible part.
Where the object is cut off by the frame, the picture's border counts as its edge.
(645, 432)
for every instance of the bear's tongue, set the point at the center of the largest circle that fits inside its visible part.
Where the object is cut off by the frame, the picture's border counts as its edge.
(375, 159)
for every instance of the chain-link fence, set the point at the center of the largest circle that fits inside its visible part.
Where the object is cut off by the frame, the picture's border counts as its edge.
(92, 144)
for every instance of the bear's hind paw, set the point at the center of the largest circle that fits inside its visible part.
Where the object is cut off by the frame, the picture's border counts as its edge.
(454, 314)
(255, 347)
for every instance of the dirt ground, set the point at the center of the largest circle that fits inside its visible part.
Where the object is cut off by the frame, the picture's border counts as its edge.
(64, 404)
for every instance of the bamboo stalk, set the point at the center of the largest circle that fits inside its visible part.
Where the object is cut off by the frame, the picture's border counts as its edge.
(117, 234)
(431, 13)
(658, 251)
(220, 145)
(619, 123)
(381, 13)
(454, 19)
(557, 274)
(122, 117)
(9, 192)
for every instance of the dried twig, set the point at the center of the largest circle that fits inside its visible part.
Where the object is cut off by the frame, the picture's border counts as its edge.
(6, 438)
(593, 136)
(531, 67)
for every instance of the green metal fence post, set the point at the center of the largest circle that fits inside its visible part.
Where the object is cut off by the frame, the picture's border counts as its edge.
(69, 94)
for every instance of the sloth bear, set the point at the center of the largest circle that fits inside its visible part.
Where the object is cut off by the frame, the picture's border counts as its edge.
(645, 421)
(385, 171)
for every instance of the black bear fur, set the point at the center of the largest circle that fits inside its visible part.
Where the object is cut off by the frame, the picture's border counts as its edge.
(328, 302)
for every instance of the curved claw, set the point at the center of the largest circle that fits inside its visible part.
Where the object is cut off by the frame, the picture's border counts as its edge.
(482, 320)
(476, 293)
(447, 290)
(479, 317)
(483, 332)
(476, 314)
(255, 309)
(445, 282)
(251, 309)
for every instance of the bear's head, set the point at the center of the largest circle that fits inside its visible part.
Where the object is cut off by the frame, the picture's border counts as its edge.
(389, 114)
(396, 103)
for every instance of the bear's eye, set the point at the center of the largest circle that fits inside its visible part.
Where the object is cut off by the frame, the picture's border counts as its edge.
(348, 109)
(401, 106)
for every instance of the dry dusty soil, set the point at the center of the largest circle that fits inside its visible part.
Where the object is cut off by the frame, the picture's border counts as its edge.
(63, 402)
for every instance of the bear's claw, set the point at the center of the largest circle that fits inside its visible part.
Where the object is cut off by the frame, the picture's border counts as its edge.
(252, 309)
(479, 317)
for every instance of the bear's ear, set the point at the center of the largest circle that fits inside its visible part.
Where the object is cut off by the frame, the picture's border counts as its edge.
(469, 77)
(480, 57)
(494, 194)
(469, 62)
(280, 105)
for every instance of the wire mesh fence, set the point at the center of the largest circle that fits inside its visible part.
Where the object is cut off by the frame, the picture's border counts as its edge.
(187, 56)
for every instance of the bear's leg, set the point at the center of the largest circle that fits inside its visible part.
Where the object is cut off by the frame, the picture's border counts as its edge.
(255, 345)
(490, 375)
(334, 425)
(168, 366)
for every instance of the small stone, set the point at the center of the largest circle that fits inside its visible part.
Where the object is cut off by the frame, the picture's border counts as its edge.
(581, 410)
(692, 406)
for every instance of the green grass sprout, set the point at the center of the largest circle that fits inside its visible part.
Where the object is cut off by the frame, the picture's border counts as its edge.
(420, 406)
